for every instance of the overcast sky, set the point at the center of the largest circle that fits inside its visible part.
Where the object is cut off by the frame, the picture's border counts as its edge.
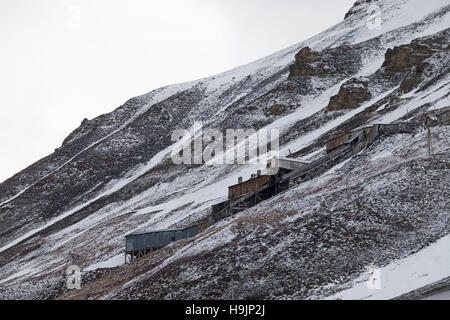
(65, 60)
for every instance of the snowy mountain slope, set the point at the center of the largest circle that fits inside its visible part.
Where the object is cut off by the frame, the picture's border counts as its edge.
(310, 241)
(112, 175)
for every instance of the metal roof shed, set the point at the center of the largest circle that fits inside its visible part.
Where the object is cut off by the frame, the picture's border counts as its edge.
(138, 244)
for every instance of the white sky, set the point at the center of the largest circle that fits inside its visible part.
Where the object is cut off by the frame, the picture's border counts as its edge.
(65, 60)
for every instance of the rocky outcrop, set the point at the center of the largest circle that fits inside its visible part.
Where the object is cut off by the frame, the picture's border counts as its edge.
(412, 80)
(340, 61)
(359, 6)
(404, 57)
(412, 59)
(304, 63)
(407, 58)
(92, 130)
(351, 94)
(277, 110)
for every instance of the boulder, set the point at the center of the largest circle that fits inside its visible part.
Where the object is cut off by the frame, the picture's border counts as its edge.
(351, 95)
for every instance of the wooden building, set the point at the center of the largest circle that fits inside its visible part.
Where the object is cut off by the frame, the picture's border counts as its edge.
(275, 167)
(253, 184)
(369, 134)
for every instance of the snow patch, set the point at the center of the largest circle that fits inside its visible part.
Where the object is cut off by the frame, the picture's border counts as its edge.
(423, 268)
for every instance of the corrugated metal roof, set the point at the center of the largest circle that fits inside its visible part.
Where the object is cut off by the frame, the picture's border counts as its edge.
(295, 160)
(157, 231)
